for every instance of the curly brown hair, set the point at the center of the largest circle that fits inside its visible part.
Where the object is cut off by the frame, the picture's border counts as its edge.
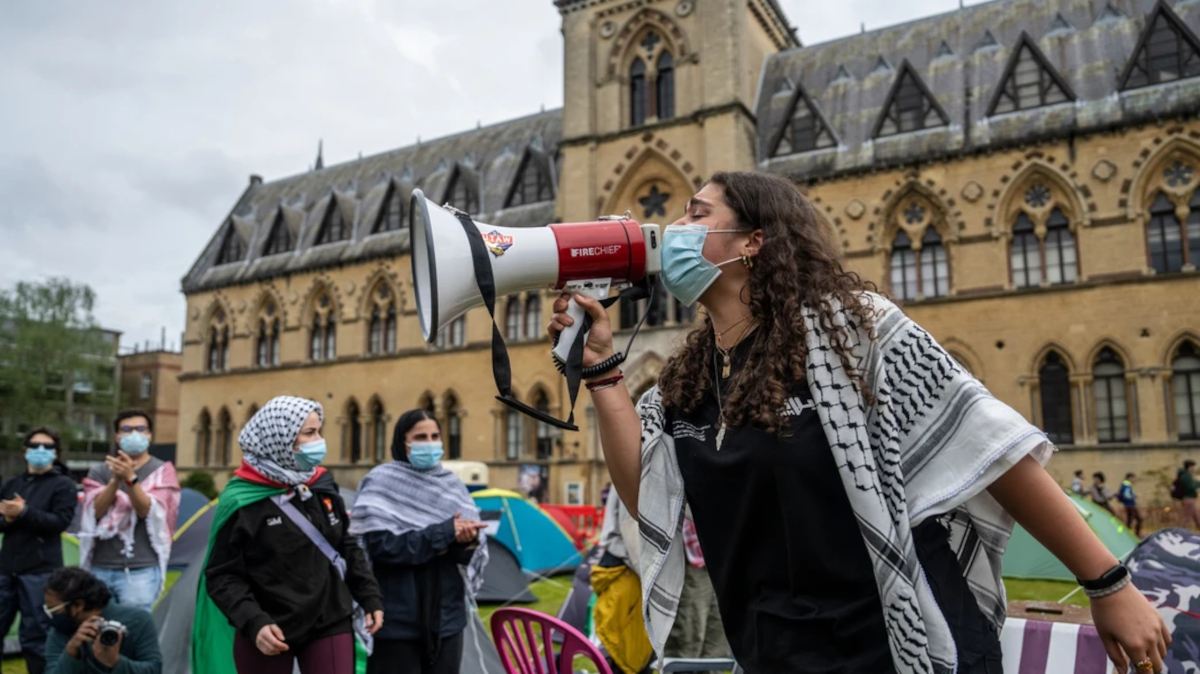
(798, 265)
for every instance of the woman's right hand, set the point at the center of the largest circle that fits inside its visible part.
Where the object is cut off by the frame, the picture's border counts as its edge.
(270, 640)
(599, 346)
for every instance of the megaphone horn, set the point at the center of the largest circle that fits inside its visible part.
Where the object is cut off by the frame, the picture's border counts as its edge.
(579, 257)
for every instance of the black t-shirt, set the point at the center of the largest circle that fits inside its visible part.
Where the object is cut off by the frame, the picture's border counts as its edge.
(790, 569)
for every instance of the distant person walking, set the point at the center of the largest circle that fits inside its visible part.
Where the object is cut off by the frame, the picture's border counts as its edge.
(1077, 483)
(1184, 490)
(422, 533)
(1100, 493)
(1128, 498)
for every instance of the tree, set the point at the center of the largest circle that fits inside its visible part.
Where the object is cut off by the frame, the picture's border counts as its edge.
(201, 482)
(57, 367)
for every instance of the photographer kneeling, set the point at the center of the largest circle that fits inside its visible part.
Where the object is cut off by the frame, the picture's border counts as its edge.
(88, 634)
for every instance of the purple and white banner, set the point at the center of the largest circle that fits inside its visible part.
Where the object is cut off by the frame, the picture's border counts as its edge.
(1039, 647)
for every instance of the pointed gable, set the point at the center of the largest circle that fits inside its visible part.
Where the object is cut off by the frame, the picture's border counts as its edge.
(232, 248)
(881, 66)
(944, 51)
(1060, 25)
(1109, 13)
(391, 212)
(988, 41)
(1167, 50)
(910, 106)
(1029, 81)
(804, 128)
(460, 193)
(842, 75)
(279, 240)
(334, 227)
(532, 183)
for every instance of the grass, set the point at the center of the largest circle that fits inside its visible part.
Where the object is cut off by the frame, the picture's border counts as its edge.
(552, 592)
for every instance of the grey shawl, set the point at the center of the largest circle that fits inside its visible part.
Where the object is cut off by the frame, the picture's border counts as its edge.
(398, 498)
(932, 443)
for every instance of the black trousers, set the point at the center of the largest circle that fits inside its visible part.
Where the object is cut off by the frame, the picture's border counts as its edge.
(408, 657)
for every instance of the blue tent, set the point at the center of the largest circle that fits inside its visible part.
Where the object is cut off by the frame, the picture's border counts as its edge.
(539, 543)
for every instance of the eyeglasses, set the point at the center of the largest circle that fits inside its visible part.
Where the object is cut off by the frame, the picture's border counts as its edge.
(130, 429)
(51, 611)
(41, 445)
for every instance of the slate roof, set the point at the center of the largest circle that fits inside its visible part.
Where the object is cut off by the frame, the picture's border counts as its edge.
(961, 57)
(486, 158)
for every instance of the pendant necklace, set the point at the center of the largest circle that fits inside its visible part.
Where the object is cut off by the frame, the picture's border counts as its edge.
(725, 372)
(720, 406)
(727, 366)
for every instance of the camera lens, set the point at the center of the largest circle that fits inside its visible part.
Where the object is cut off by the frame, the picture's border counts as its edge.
(109, 635)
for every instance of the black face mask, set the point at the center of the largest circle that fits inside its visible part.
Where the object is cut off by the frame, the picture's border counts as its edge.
(63, 622)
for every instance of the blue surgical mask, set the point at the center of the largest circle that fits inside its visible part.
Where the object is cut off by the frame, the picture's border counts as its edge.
(686, 273)
(425, 455)
(135, 444)
(311, 454)
(39, 458)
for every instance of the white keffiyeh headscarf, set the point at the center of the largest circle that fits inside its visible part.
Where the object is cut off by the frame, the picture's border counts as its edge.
(268, 438)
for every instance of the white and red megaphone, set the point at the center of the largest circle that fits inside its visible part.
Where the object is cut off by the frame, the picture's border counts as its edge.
(459, 264)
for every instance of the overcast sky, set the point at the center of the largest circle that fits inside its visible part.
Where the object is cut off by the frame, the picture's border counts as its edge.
(128, 129)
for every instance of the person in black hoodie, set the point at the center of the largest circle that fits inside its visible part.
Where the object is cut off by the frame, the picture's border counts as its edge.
(37, 506)
(420, 526)
(279, 591)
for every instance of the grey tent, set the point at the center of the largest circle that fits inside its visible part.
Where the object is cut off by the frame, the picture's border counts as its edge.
(575, 608)
(503, 582)
(175, 612)
(191, 538)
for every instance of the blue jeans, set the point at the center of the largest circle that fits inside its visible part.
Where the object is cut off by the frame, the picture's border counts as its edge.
(24, 592)
(132, 587)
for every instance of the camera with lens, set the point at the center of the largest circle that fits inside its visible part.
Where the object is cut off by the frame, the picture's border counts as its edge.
(110, 632)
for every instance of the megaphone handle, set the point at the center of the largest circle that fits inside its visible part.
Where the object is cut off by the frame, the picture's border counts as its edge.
(577, 313)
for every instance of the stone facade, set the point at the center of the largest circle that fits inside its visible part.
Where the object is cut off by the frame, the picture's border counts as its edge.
(150, 382)
(1028, 241)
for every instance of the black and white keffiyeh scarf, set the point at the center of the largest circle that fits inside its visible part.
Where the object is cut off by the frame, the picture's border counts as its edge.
(268, 439)
(929, 446)
(398, 498)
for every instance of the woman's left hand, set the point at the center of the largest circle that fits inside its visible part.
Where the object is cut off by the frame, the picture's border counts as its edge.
(1131, 629)
(374, 622)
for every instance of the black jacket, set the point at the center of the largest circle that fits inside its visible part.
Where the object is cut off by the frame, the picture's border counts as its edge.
(32, 543)
(423, 590)
(263, 570)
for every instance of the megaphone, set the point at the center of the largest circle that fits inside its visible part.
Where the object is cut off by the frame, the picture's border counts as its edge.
(459, 264)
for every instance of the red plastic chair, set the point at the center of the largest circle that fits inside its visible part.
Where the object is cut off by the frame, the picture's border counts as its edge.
(525, 640)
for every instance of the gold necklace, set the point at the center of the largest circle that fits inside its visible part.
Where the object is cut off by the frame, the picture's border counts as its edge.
(725, 374)
(727, 364)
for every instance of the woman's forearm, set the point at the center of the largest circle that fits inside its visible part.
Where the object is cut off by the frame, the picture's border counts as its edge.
(621, 439)
(1036, 501)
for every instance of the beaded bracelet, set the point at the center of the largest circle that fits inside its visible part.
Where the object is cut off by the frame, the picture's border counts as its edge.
(1113, 589)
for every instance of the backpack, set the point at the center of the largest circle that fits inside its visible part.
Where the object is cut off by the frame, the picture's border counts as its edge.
(1177, 488)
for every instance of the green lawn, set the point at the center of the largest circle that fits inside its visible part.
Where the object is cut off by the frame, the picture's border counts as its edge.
(552, 592)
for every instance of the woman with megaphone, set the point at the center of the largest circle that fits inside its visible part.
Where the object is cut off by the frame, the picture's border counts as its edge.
(852, 486)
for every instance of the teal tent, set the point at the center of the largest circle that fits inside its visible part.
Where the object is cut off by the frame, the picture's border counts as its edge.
(541, 545)
(1027, 559)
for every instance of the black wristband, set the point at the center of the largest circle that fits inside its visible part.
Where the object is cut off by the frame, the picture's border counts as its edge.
(1107, 580)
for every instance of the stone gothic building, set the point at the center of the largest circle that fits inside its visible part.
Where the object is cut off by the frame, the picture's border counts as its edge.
(1020, 174)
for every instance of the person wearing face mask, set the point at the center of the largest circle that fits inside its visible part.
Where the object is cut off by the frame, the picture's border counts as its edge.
(875, 481)
(130, 507)
(284, 583)
(420, 527)
(35, 508)
(80, 609)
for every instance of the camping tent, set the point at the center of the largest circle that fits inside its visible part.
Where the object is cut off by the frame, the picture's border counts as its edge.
(191, 536)
(174, 614)
(1027, 559)
(70, 550)
(1166, 568)
(540, 544)
(576, 610)
(503, 582)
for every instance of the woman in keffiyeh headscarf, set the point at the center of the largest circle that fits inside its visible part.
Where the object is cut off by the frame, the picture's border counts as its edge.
(270, 595)
(420, 528)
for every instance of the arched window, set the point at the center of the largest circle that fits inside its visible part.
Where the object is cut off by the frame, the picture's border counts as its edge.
(1054, 385)
(330, 338)
(1164, 235)
(1108, 383)
(262, 352)
(533, 315)
(379, 433)
(426, 402)
(224, 438)
(935, 273)
(1026, 256)
(514, 436)
(352, 434)
(665, 86)
(453, 429)
(1061, 261)
(375, 333)
(389, 330)
(1185, 384)
(637, 92)
(317, 341)
(544, 447)
(512, 319)
(204, 439)
(214, 351)
(904, 268)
